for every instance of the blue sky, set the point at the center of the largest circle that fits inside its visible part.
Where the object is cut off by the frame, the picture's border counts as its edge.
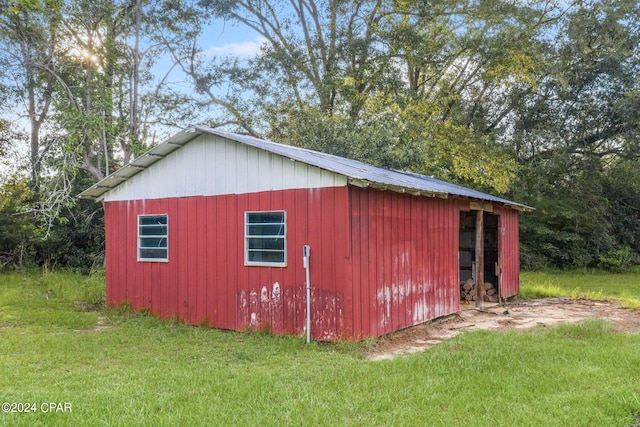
(224, 38)
(219, 39)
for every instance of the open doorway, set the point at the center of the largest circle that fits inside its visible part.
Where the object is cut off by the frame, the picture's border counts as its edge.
(467, 256)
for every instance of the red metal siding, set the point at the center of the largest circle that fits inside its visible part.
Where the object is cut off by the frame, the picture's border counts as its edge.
(509, 246)
(405, 260)
(380, 261)
(206, 281)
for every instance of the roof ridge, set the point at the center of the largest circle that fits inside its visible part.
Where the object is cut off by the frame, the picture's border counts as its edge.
(359, 173)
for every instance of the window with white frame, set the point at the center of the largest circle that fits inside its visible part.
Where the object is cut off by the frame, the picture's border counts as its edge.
(265, 238)
(153, 238)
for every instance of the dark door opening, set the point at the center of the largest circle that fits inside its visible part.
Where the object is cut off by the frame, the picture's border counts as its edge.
(467, 256)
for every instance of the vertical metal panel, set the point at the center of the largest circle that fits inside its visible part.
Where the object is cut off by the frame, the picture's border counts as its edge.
(201, 254)
(509, 247)
(221, 175)
(252, 157)
(111, 242)
(360, 319)
(317, 265)
(171, 287)
(220, 265)
(408, 257)
(216, 271)
(295, 295)
(378, 291)
(328, 269)
(240, 277)
(220, 166)
(127, 240)
(120, 273)
(190, 208)
(423, 235)
(180, 248)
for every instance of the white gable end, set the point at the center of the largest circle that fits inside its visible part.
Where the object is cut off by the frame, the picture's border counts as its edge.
(212, 165)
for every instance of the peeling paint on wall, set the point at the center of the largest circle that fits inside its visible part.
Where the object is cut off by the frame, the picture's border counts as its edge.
(275, 291)
(419, 311)
(266, 311)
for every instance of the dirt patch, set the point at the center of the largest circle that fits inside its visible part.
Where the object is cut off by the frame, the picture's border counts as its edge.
(99, 327)
(518, 314)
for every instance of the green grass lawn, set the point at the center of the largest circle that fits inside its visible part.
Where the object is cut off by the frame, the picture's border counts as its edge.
(595, 285)
(115, 367)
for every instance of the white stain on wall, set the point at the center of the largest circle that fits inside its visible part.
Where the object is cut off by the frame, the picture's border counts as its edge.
(275, 291)
(419, 311)
(391, 295)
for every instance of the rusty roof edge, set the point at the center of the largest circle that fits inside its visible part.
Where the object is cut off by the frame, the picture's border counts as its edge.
(417, 192)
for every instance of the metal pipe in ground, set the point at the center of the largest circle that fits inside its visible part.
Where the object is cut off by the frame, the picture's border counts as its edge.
(306, 254)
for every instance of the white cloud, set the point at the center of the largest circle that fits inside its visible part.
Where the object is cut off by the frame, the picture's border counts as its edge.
(246, 49)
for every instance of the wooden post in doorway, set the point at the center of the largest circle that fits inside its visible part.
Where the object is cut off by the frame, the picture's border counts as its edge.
(479, 259)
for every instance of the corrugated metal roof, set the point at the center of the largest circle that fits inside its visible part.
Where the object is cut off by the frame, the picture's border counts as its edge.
(358, 173)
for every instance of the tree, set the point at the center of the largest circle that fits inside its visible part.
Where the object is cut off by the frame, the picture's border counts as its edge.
(467, 64)
(28, 36)
(316, 54)
(576, 133)
(437, 80)
(84, 71)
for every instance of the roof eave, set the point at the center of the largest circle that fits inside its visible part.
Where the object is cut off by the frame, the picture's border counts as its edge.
(99, 190)
(363, 183)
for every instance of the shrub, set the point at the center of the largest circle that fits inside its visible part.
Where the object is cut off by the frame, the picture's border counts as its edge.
(616, 261)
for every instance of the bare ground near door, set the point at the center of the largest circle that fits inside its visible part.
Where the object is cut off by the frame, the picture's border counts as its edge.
(518, 314)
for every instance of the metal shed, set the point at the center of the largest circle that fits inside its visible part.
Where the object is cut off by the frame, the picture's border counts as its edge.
(209, 226)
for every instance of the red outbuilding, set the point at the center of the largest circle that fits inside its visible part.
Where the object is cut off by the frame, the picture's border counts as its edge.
(210, 227)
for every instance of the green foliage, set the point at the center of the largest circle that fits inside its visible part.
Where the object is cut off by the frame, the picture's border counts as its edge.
(577, 142)
(452, 151)
(582, 216)
(82, 71)
(616, 261)
(374, 143)
(16, 226)
(582, 374)
(74, 237)
(340, 85)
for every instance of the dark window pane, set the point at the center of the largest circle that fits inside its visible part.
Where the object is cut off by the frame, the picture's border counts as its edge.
(265, 230)
(268, 244)
(265, 217)
(155, 230)
(153, 242)
(259, 256)
(261, 244)
(153, 253)
(153, 220)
